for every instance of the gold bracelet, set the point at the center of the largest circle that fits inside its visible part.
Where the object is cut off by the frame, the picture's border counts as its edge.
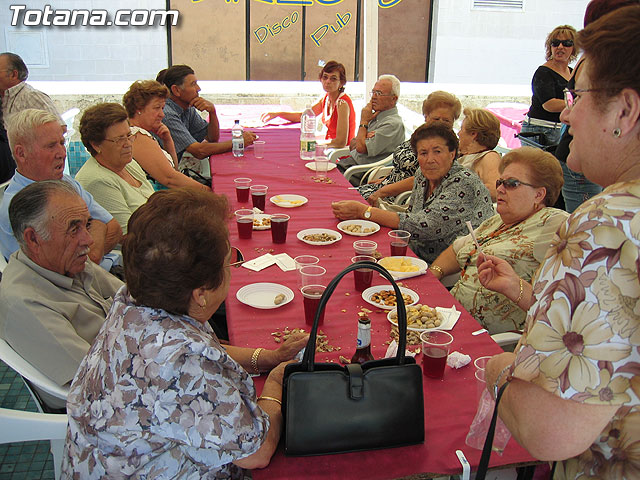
(521, 292)
(273, 399)
(437, 269)
(254, 360)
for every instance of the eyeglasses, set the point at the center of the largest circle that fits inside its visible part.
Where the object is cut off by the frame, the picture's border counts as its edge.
(378, 93)
(565, 43)
(511, 183)
(571, 95)
(122, 140)
(237, 257)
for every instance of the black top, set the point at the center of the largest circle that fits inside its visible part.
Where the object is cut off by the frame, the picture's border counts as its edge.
(546, 85)
(562, 150)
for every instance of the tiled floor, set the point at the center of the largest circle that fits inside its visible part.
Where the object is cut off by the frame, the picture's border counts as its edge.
(26, 460)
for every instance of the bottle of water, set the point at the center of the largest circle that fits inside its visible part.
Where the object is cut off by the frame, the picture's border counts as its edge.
(308, 134)
(237, 140)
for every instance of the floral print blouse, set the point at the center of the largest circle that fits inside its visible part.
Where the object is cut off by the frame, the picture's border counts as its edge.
(523, 245)
(405, 164)
(583, 336)
(158, 397)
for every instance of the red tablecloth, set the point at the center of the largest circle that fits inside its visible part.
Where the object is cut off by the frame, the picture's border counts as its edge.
(449, 404)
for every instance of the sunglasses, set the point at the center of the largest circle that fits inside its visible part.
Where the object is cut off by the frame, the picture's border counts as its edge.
(511, 183)
(565, 43)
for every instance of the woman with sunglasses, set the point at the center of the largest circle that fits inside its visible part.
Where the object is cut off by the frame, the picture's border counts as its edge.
(529, 184)
(335, 108)
(572, 392)
(549, 80)
(158, 395)
(114, 179)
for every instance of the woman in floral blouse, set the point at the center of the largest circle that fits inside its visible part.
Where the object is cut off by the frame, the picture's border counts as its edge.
(574, 393)
(529, 185)
(445, 195)
(158, 396)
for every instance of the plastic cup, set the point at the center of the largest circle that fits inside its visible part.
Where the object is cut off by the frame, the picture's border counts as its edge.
(279, 223)
(398, 241)
(365, 247)
(481, 362)
(312, 275)
(322, 162)
(258, 195)
(258, 148)
(435, 350)
(242, 189)
(362, 277)
(244, 220)
(301, 261)
(311, 298)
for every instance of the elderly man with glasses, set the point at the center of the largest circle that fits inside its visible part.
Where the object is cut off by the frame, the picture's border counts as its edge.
(380, 130)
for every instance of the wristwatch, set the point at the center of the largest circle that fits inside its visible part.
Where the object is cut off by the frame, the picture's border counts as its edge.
(364, 125)
(367, 213)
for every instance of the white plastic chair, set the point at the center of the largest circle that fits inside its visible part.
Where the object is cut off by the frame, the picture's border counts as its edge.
(337, 154)
(355, 169)
(376, 173)
(506, 338)
(403, 198)
(20, 426)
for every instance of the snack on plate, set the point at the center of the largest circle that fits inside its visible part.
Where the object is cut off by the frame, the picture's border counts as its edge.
(355, 228)
(403, 264)
(279, 199)
(388, 298)
(413, 337)
(420, 316)
(322, 341)
(279, 299)
(265, 222)
(319, 237)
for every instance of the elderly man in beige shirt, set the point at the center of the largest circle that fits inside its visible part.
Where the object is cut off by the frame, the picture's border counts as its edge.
(53, 301)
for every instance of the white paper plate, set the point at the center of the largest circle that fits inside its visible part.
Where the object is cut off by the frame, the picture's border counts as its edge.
(418, 262)
(261, 216)
(312, 166)
(363, 223)
(311, 231)
(450, 317)
(371, 291)
(288, 200)
(261, 295)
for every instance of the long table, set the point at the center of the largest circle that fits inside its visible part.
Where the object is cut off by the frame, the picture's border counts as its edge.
(450, 404)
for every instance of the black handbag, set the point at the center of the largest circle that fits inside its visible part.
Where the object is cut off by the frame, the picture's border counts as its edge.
(330, 408)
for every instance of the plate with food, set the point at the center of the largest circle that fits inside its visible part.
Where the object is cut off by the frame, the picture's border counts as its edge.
(319, 236)
(358, 228)
(404, 267)
(383, 296)
(422, 317)
(312, 166)
(288, 200)
(265, 295)
(261, 221)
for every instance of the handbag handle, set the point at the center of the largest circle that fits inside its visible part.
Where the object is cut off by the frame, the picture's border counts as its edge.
(310, 351)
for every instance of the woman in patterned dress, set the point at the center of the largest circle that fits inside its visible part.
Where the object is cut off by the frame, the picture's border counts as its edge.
(574, 382)
(157, 395)
(520, 233)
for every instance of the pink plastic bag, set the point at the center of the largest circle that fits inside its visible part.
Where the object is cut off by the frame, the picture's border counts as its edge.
(480, 426)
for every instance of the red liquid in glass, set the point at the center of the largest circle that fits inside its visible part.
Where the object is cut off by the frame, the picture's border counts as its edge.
(311, 302)
(245, 227)
(279, 230)
(398, 249)
(362, 279)
(433, 361)
(242, 194)
(258, 199)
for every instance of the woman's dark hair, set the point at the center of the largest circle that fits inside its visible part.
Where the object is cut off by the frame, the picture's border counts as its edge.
(611, 46)
(437, 129)
(598, 8)
(142, 92)
(95, 121)
(176, 242)
(544, 170)
(333, 66)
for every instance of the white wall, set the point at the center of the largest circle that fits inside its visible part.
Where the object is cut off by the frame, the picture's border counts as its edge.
(86, 53)
(500, 47)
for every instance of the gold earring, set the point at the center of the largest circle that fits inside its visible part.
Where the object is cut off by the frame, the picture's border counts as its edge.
(204, 303)
(617, 132)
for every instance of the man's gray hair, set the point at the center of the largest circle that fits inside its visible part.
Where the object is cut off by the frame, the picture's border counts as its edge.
(29, 208)
(395, 83)
(16, 63)
(21, 126)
